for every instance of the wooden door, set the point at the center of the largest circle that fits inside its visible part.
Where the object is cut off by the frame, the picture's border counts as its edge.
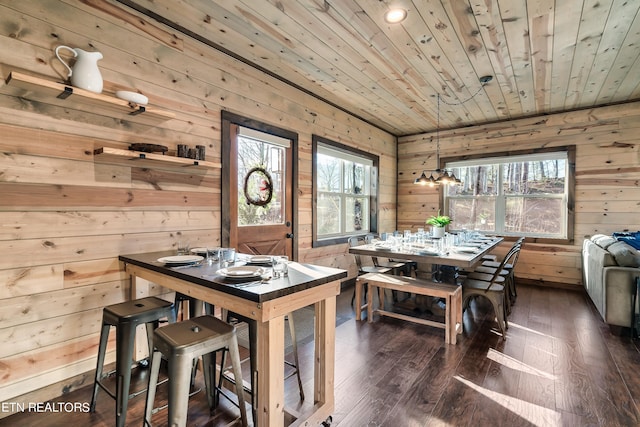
(258, 206)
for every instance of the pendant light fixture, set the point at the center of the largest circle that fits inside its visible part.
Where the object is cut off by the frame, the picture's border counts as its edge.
(444, 176)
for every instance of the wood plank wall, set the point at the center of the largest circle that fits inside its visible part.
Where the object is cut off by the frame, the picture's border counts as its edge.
(65, 218)
(607, 177)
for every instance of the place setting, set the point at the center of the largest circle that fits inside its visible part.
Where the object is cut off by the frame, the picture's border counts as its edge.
(466, 249)
(265, 260)
(245, 275)
(243, 271)
(176, 261)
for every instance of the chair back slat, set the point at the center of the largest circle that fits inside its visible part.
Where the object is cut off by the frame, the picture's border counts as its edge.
(353, 242)
(513, 252)
(368, 239)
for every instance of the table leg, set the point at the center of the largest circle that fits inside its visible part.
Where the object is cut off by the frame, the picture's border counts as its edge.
(270, 373)
(372, 290)
(325, 350)
(358, 299)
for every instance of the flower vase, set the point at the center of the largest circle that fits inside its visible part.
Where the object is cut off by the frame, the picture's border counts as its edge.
(437, 232)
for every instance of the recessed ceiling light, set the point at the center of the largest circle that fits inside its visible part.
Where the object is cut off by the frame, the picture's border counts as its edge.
(394, 16)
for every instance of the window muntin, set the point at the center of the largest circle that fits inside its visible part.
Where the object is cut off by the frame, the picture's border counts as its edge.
(344, 187)
(513, 195)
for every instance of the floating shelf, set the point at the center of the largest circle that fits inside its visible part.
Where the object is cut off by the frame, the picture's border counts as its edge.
(62, 95)
(148, 160)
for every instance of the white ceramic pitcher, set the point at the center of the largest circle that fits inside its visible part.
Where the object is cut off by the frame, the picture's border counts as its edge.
(85, 73)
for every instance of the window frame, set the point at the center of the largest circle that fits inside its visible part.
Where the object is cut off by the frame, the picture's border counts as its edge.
(317, 140)
(570, 150)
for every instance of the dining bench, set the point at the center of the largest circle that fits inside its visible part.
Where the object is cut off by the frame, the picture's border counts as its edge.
(452, 294)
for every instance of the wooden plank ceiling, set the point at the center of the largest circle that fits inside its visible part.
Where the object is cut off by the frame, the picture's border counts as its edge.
(544, 55)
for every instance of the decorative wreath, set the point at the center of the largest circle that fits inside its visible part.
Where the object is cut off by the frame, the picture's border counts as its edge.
(262, 188)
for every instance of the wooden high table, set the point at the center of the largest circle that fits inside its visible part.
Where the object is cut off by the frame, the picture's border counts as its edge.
(267, 304)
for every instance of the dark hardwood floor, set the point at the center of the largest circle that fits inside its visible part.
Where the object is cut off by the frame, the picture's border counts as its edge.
(560, 366)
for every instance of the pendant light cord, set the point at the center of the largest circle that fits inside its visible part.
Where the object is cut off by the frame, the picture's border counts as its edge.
(483, 81)
(443, 174)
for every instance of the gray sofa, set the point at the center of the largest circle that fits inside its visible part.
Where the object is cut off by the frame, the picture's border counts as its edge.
(610, 269)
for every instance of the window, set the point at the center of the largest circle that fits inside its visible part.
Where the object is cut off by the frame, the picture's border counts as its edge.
(518, 194)
(344, 184)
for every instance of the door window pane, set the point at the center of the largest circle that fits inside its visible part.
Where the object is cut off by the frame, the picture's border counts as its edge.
(261, 182)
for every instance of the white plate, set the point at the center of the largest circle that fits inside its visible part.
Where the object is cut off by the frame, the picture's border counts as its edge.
(260, 259)
(427, 252)
(466, 250)
(383, 246)
(242, 272)
(180, 259)
(202, 251)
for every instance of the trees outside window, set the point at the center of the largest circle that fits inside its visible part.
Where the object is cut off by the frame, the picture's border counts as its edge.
(518, 194)
(344, 184)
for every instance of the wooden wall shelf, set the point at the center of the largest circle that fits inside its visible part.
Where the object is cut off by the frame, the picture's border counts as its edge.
(62, 95)
(149, 160)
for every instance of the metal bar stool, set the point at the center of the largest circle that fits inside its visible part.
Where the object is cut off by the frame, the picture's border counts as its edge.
(126, 316)
(180, 299)
(196, 308)
(182, 343)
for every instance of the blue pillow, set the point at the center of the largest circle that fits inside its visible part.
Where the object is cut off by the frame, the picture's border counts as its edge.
(632, 238)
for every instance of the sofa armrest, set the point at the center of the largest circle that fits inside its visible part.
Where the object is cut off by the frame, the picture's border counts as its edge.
(619, 287)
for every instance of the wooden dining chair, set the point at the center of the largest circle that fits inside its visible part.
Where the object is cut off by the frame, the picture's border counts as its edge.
(362, 267)
(492, 287)
(507, 271)
(397, 267)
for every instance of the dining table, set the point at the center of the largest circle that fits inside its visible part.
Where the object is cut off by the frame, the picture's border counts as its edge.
(265, 300)
(437, 259)
(430, 252)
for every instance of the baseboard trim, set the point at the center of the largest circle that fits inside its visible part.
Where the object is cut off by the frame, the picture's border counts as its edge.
(546, 284)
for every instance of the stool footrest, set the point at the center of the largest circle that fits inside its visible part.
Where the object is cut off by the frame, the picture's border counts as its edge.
(160, 408)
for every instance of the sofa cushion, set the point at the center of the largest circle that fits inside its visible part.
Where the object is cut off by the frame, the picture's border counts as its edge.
(625, 255)
(603, 241)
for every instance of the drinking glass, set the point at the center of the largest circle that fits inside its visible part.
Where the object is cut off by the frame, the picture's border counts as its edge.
(183, 247)
(227, 256)
(213, 255)
(280, 267)
(449, 240)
